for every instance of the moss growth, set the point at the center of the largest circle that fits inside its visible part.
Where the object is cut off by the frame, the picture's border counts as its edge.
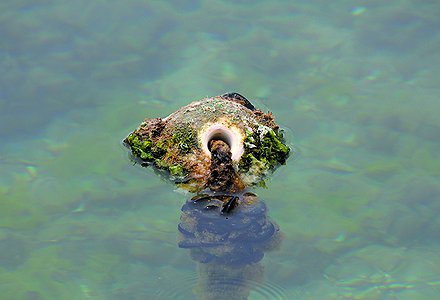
(273, 148)
(15, 209)
(157, 152)
(184, 139)
(176, 171)
(43, 276)
(146, 149)
(264, 150)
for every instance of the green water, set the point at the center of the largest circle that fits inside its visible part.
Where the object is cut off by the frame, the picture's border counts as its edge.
(355, 84)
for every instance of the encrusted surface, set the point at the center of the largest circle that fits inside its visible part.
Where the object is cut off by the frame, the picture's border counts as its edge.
(174, 144)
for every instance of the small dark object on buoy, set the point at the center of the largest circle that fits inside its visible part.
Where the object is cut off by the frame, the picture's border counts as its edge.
(236, 97)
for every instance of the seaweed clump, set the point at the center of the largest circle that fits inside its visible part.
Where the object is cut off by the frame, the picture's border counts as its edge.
(265, 150)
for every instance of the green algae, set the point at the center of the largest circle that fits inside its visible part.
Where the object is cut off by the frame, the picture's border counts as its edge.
(177, 171)
(101, 267)
(43, 276)
(146, 149)
(264, 150)
(15, 210)
(156, 152)
(185, 139)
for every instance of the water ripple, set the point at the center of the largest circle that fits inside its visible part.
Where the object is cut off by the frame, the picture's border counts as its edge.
(181, 289)
(185, 287)
(267, 290)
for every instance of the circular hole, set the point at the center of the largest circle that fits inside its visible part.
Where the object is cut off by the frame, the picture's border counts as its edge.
(230, 135)
(219, 136)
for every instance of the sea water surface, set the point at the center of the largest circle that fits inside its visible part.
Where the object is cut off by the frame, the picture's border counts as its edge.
(356, 209)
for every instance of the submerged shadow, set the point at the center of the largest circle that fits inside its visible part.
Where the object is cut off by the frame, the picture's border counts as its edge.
(228, 246)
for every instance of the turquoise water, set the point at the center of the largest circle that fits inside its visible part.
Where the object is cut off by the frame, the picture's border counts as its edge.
(355, 84)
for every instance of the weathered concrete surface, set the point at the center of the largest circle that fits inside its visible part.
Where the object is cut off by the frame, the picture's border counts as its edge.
(179, 145)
